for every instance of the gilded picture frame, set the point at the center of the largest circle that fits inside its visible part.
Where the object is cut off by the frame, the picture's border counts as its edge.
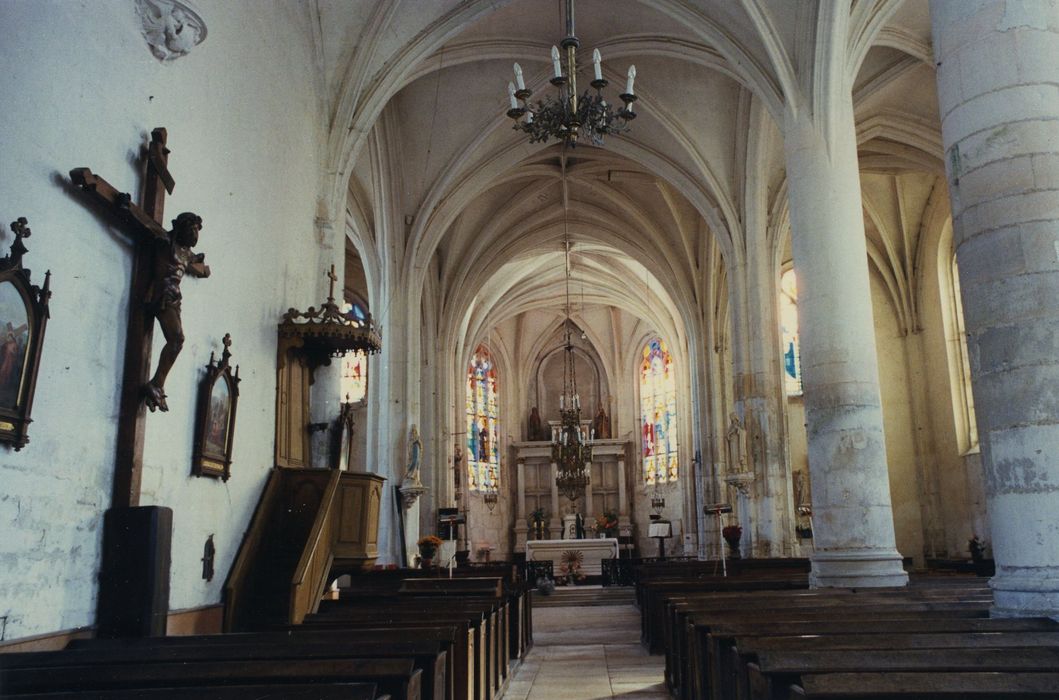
(23, 320)
(218, 402)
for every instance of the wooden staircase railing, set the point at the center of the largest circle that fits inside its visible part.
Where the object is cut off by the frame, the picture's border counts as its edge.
(314, 567)
(342, 538)
(239, 575)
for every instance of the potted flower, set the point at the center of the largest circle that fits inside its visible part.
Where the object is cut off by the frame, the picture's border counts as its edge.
(606, 524)
(428, 549)
(732, 535)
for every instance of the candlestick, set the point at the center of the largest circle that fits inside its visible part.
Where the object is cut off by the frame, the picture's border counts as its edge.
(556, 65)
(518, 77)
(511, 95)
(595, 61)
(632, 77)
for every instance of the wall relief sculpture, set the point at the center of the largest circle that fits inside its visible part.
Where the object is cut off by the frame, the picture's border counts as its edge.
(171, 27)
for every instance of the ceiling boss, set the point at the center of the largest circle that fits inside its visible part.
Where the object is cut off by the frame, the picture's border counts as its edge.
(567, 116)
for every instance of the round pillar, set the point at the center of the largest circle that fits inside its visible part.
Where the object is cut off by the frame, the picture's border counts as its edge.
(854, 530)
(997, 64)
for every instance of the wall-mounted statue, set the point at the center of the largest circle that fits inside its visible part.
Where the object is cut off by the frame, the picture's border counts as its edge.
(736, 444)
(415, 451)
(601, 424)
(536, 431)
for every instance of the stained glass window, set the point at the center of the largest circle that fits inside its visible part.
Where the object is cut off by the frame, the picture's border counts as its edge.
(354, 382)
(483, 429)
(792, 358)
(658, 411)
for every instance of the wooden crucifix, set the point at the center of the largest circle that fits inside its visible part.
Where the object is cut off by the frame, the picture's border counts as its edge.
(160, 259)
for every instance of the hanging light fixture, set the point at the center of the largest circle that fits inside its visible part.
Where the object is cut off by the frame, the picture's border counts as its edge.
(571, 453)
(568, 116)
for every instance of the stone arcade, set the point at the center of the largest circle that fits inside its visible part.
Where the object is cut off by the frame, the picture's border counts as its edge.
(831, 227)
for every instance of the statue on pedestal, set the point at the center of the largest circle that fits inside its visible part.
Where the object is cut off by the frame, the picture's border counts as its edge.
(415, 451)
(735, 439)
(536, 432)
(601, 425)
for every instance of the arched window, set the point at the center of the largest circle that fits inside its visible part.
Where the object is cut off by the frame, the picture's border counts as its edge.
(483, 429)
(354, 382)
(658, 414)
(959, 364)
(792, 358)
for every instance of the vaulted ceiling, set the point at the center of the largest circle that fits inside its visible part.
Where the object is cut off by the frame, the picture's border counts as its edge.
(444, 194)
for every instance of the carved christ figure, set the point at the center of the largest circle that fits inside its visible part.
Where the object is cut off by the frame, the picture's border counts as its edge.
(172, 259)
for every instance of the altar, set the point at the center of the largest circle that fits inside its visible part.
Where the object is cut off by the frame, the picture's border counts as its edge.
(594, 552)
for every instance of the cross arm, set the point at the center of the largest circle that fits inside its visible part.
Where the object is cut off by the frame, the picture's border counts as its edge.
(102, 191)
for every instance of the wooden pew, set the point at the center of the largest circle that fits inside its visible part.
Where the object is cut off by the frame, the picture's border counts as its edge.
(429, 656)
(775, 671)
(705, 651)
(471, 660)
(291, 691)
(445, 636)
(927, 686)
(397, 677)
(747, 649)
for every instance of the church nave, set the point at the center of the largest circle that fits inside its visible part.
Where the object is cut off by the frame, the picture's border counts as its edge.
(587, 653)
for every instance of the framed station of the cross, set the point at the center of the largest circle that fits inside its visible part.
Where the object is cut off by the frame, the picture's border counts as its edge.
(218, 400)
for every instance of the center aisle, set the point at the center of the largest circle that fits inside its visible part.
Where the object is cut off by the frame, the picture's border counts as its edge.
(585, 653)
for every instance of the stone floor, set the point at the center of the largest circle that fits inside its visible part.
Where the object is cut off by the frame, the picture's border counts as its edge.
(584, 653)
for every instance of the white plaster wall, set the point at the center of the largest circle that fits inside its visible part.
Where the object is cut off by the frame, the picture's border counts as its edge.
(82, 89)
(898, 425)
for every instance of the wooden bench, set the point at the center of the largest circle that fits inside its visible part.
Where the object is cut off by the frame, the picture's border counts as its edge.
(748, 649)
(396, 677)
(771, 676)
(927, 686)
(445, 636)
(291, 691)
(471, 659)
(428, 656)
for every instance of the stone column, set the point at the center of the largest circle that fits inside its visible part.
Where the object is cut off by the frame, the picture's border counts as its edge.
(555, 523)
(521, 527)
(855, 544)
(997, 68)
(588, 493)
(624, 521)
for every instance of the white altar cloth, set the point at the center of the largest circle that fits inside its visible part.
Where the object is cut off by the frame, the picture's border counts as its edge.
(593, 551)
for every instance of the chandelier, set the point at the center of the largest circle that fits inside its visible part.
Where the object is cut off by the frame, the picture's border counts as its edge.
(570, 452)
(567, 116)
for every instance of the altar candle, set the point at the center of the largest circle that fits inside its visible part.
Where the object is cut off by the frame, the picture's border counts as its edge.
(511, 95)
(595, 61)
(518, 77)
(632, 77)
(556, 65)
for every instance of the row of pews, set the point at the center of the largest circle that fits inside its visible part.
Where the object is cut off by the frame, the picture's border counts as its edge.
(762, 634)
(394, 635)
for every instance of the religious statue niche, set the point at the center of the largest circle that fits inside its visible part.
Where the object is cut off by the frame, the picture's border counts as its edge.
(342, 437)
(23, 318)
(218, 399)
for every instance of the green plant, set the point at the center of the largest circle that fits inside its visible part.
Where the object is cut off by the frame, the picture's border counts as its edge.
(429, 542)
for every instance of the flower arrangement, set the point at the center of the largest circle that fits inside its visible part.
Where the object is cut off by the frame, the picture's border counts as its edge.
(606, 524)
(977, 548)
(732, 533)
(538, 515)
(570, 571)
(430, 541)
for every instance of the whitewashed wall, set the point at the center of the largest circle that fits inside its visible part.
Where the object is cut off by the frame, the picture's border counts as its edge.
(80, 88)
